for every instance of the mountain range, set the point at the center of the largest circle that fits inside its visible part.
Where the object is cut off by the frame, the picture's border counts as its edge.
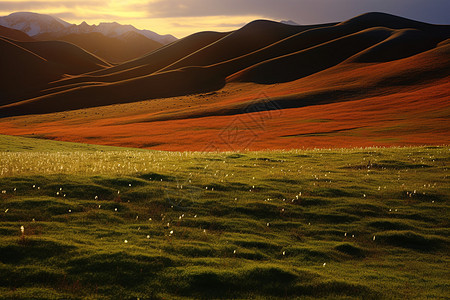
(376, 79)
(34, 24)
(113, 42)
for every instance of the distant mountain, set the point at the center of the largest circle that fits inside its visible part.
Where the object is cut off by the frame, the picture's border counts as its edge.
(35, 24)
(14, 34)
(289, 22)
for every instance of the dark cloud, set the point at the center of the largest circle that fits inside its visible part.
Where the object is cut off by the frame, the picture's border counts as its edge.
(302, 11)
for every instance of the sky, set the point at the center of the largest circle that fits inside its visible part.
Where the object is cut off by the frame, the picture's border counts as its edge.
(184, 17)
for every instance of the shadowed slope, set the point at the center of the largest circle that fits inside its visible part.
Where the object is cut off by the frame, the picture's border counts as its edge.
(345, 82)
(360, 81)
(182, 82)
(402, 43)
(116, 50)
(201, 49)
(72, 59)
(382, 44)
(14, 34)
(219, 49)
(251, 37)
(260, 52)
(28, 66)
(167, 54)
(197, 79)
(401, 102)
(22, 70)
(147, 64)
(376, 19)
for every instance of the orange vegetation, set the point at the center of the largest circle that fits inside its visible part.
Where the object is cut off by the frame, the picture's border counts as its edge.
(375, 80)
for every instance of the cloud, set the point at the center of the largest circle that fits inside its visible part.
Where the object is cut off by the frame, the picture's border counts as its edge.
(77, 10)
(80, 16)
(303, 11)
(201, 8)
(196, 25)
(37, 5)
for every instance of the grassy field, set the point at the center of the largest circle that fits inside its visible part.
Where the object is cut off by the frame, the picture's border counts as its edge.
(116, 223)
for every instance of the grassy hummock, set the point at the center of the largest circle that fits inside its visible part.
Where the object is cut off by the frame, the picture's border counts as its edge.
(104, 222)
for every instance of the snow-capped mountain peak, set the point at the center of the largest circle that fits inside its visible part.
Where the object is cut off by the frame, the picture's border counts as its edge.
(34, 24)
(289, 22)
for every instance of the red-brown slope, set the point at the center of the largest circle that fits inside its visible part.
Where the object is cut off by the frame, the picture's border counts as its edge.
(403, 109)
(287, 53)
(351, 84)
(347, 81)
(201, 79)
(418, 117)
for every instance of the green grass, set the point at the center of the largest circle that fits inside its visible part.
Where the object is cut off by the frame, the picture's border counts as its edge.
(116, 223)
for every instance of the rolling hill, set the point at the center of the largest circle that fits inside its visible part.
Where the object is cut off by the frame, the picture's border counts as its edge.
(30, 66)
(127, 46)
(264, 68)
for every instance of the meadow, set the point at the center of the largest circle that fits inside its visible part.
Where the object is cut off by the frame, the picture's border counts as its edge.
(96, 222)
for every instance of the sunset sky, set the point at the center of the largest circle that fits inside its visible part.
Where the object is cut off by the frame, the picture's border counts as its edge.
(183, 17)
